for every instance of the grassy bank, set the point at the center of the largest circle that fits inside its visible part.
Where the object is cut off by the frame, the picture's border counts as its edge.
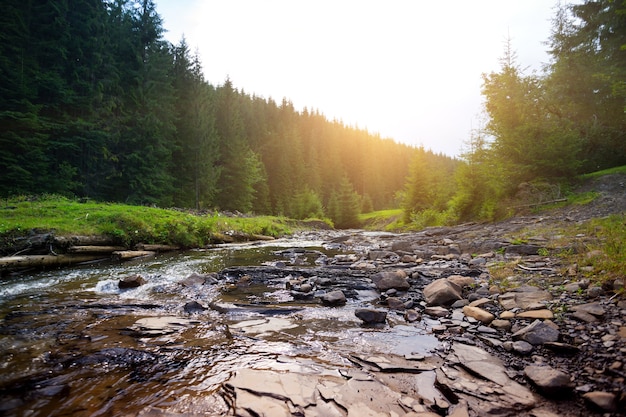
(127, 224)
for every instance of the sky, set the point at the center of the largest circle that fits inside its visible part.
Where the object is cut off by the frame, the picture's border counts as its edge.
(409, 70)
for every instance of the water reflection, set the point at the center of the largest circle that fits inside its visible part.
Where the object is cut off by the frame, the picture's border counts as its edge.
(73, 343)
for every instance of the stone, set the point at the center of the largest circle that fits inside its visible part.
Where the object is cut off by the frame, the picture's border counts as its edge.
(584, 316)
(549, 380)
(523, 297)
(371, 316)
(536, 314)
(412, 315)
(442, 292)
(523, 249)
(131, 281)
(436, 311)
(537, 333)
(595, 309)
(501, 324)
(394, 303)
(193, 306)
(479, 314)
(507, 315)
(522, 347)
(334, 298)
(605, 401)
(461, 280)
(391, 279)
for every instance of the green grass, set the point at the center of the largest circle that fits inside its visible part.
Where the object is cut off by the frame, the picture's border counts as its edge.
(615, 170)
(389, 220)
(127, 224)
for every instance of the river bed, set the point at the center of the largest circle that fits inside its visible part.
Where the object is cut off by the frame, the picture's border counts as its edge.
(73, 343)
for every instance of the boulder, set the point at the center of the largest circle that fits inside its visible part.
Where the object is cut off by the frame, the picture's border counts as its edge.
(370, 316)
(442, 292)
(391, 279)
(334, 298)
(537, 333)
(131, 281)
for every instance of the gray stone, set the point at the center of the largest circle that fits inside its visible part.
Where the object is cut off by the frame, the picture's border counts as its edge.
(386, 280)
(537, 333)
(334, 298)
(132, 281)
(442, 292)
(193, 306)
(549, 380)
(394, 303)
(370, 316)
(522, 347)
(411, 315)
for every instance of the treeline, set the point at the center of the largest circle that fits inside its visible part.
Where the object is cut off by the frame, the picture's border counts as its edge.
(95, 103)
(541, 129)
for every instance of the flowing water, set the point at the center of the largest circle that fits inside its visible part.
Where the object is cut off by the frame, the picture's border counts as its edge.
(73, 343)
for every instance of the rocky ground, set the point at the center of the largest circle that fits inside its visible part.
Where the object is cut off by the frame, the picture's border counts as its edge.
(541, 341)
(472, 320)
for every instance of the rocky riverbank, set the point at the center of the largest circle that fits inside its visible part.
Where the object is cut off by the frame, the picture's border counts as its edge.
(472, 320)
(542, 342)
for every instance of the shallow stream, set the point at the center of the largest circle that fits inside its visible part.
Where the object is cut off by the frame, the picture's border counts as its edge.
(73, 343)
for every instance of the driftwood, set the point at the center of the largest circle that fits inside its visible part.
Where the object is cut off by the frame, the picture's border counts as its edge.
(40, 261)
(94, 249)
(96, 240)
(156, 248)
(122, 255)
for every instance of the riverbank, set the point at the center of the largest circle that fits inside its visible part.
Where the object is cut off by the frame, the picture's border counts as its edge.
(518, 318)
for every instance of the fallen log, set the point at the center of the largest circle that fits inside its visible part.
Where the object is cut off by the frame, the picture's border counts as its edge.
(95, 249)
(95, 240)
(42, 261)
(156, 248)
(123, 255)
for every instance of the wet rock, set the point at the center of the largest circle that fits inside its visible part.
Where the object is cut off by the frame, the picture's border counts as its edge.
(537, 333)
(194, 280)
(605, 401)
(131, 281)
(442, 292)
(386, 280)
(549, 380)
(412, 315)
(371, 316)
(436, 311)
(479, 314)
(394, 303)
(193, 307)
(333, 298)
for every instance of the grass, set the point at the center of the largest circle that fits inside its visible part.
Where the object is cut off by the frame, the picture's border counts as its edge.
(597, 174)
(389, 220)
(127, 224)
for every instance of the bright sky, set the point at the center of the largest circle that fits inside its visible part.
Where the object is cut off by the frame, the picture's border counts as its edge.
(409, 70)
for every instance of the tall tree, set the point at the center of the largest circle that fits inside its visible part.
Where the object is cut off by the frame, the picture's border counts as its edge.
(196, 153)
(586, 81)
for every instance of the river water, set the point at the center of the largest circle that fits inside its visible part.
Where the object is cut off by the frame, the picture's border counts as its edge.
(73, 344)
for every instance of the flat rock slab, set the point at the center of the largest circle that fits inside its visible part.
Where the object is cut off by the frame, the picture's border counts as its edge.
(524, 298)
(549, 380)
